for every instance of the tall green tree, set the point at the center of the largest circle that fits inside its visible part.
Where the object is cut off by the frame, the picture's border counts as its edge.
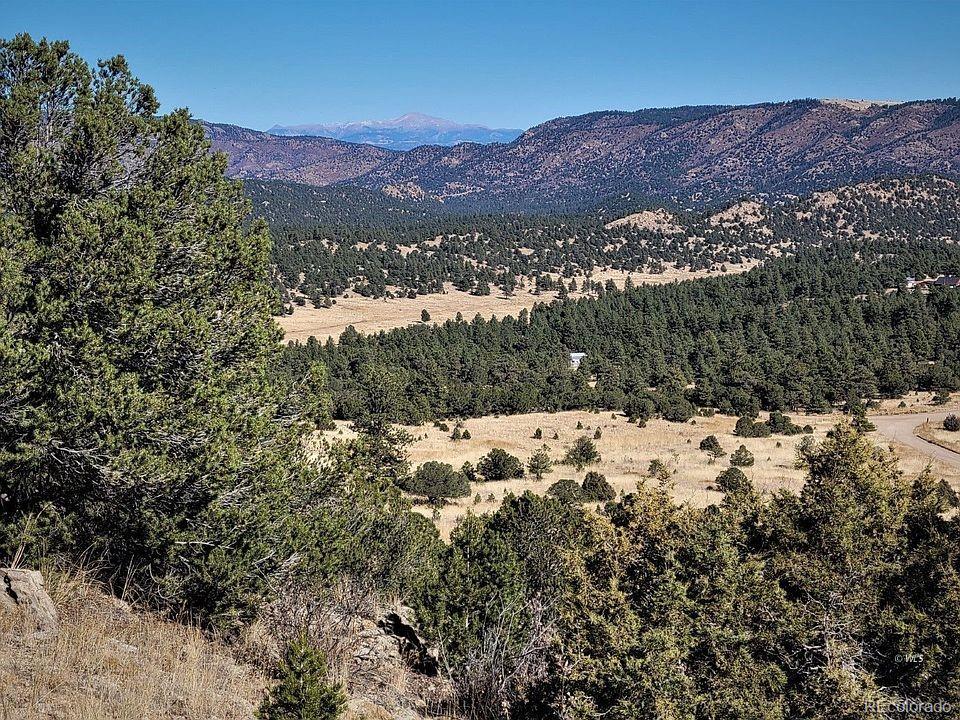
(142, 420)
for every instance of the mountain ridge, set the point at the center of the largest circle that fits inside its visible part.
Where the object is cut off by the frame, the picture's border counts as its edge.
(694, 156)
(402, 133)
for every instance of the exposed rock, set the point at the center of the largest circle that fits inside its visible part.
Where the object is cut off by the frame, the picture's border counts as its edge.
(23, 591)
(400, 625)
(394, 671)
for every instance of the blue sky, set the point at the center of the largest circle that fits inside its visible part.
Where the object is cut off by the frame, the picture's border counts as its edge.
(504, 64)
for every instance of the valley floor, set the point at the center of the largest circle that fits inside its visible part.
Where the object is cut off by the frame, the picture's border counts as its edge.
(626, 451)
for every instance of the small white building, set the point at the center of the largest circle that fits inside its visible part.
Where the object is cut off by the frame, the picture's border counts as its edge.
(575, 359)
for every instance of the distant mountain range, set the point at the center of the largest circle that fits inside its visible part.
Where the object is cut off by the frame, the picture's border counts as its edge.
(689, 156)
(403, 133)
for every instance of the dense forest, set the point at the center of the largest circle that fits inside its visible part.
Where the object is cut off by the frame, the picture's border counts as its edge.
(331, 240)
(153, 431)
(806, 331)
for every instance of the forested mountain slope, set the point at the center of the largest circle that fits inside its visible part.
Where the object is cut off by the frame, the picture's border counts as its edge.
(695, 156)
(328, 240)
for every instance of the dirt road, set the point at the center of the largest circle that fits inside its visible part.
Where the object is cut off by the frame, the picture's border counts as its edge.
(900, 429)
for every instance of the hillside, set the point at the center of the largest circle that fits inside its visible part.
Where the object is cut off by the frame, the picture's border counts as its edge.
(691, 156)
(407, 249)
(310, 160)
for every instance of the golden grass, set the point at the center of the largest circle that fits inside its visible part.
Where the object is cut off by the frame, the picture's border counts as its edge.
(370, 315)
(626, 451)
(915, 403)
(110, 662)
(935, 433)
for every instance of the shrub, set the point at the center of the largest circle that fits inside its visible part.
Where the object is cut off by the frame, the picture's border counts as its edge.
(538, 434)
(711, 446)
(732, 480)
(748, 427)
(466, 434)
(862, 423)
(566, 490)
(952, 423)
(658, 470)
(302, 690)
(583, 453)
(498, 464)
(436, 480)
(598, 434)
(781, 424)
(741, 457)
(596, 488)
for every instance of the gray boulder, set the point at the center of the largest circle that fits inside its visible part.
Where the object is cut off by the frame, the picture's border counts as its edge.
(23, 591)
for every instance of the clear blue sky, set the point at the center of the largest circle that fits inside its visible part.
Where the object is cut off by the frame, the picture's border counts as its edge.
(505, 64)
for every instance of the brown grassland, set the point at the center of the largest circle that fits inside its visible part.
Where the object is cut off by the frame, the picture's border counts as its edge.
(110, 661)
(935, 433)
(626, 451)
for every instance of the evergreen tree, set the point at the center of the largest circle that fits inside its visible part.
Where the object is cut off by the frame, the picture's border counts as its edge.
(711, 446)
(302, 691)
(741, 457)
(139, 383)
(582, 453)
(540, 464)
(498, 464)
(597, 488)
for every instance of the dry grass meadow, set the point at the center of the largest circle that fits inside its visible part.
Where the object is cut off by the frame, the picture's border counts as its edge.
(109, 661)
(370, 315)
(626, 451)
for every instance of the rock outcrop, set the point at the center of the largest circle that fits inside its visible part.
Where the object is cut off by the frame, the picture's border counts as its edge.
(23, 591)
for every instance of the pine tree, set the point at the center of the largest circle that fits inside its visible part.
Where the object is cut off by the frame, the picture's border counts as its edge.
(139, 383)
(741, 457)
(303, 691)
(582, 453)
(540, 464)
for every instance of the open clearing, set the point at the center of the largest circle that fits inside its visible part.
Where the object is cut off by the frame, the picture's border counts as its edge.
(371, 315)
(626, 451)
(935, 433)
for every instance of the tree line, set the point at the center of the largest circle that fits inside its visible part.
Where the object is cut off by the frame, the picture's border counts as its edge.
(809, 331)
